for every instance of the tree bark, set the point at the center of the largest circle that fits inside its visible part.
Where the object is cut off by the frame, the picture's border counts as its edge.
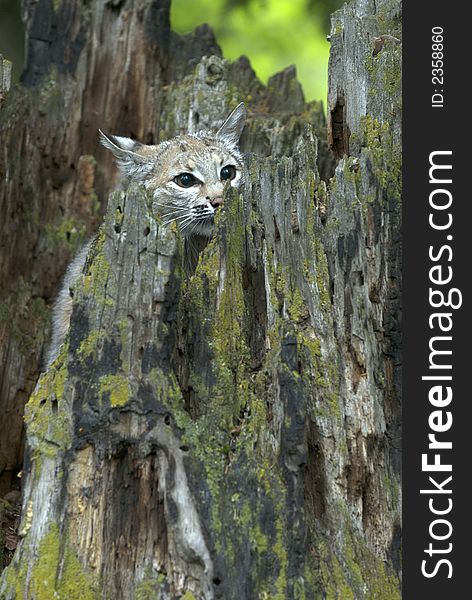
(234, 433)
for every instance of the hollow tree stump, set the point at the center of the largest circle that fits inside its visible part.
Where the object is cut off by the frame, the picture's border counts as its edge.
(234, 433)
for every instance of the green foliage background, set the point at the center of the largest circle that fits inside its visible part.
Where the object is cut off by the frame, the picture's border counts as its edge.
(272, 33)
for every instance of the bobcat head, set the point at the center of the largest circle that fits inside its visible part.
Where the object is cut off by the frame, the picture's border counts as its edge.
(186, 175)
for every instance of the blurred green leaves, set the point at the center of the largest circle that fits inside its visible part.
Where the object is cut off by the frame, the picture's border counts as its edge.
(272, 33)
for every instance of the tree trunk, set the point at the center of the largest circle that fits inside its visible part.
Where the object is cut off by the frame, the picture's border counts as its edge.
(234, 433)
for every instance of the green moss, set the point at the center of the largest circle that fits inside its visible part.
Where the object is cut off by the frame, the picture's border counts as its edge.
(46, 414)
(261, 540)
(322, 274)
(384, 155)
(96, 280)
(338, 587)
(227, 339)
(352, 571)
(74, 582)
(205, 278)
(258, 418)
(367, 570)
(296, 306)
(320, 374)
(42, 584)
(14, 578)
(55, 573)
(392, 486)
(218, 434)
(89, 345)
(167, 391)
(352, 565)
(299, 590)
(206, 438)
(315, 265)
(245, 519)
(117, 388)
(312, 344)
(384, 69)
(188, 596)
(281, 553)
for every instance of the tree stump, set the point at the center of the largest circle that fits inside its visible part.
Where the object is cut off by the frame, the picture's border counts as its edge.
(234, 433)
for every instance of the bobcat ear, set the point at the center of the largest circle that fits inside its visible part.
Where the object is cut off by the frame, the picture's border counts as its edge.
(232, 128)
(132, 164)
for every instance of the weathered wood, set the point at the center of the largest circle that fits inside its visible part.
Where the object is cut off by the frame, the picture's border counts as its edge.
(234, 434)
(5, 77)
(87, 66)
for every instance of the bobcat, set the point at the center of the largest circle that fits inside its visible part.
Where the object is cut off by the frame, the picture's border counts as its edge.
(185, 177)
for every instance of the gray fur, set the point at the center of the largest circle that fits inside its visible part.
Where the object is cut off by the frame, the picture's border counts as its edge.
(203, 155)
(232, 128)
(62, 308)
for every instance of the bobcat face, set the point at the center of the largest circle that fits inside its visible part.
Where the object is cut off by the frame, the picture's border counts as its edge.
(187, 174)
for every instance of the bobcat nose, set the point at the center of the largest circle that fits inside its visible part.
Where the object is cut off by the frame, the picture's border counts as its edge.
(216, 202)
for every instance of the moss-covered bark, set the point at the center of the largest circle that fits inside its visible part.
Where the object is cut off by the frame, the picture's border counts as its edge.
(234, 433)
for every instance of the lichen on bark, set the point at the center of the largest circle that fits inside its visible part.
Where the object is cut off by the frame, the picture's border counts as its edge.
(231, 432)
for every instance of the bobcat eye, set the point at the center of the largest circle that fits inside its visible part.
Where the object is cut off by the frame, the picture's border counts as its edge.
(228, 172)
(185, 180)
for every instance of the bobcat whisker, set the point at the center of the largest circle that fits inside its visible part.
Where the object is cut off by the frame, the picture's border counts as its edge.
(176, 212)
(174, 206)
(169, 218)
(184, 223)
